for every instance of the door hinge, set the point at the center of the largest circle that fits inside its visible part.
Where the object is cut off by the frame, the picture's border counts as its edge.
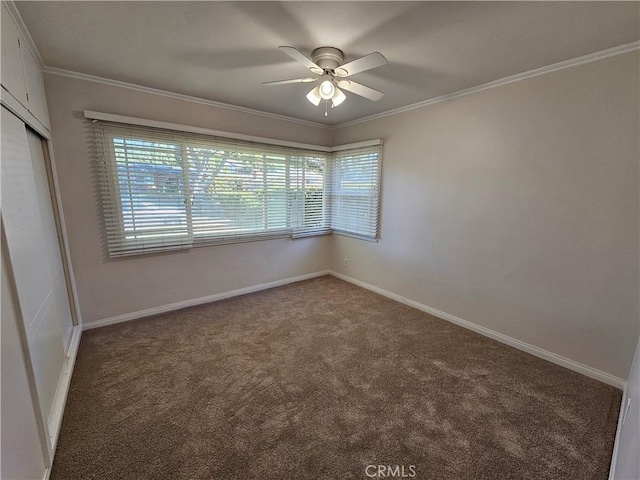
(27, 97)
(18, 42)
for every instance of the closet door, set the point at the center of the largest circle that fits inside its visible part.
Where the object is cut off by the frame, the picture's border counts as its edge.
(21, 437)
(12, 73)
(36, 100)
(50, 234)
(35, 256)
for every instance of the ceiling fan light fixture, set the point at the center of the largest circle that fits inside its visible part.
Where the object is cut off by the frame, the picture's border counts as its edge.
(314, 96)
(327, 90)
(338, 97)
(327, 63)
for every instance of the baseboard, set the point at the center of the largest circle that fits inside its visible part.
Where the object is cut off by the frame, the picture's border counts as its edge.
(520, 345)
(199, 301)
(60, 398)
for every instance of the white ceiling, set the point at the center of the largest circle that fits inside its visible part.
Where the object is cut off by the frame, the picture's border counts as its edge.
(223, 51)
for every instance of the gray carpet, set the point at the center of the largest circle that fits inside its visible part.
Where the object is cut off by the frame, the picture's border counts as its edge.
(318, 380)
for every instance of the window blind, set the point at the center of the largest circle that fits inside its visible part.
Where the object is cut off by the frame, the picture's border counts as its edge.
(164, 189)
(355, 191)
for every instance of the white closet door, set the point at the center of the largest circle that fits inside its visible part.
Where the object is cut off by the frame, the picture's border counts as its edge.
(50, 234)
(35, 256)
(12, 73)
(22, 452)
(37, 102)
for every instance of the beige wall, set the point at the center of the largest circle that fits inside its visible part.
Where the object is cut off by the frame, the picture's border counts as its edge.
(516, 208)
(112, 287)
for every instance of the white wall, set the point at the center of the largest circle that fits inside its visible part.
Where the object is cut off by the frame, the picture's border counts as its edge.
(516, 208)
(22, 454)
(107, 287)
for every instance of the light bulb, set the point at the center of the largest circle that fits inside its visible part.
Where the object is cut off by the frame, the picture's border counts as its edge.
(327, 90)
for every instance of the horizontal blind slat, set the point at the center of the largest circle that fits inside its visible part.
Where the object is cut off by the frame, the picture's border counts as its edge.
(355, 191)
(163, 189)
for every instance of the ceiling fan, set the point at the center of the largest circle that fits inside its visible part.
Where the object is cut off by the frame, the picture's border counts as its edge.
(326, 63)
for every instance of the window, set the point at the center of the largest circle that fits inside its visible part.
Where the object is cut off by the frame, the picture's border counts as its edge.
(355, 192)
(163, 189)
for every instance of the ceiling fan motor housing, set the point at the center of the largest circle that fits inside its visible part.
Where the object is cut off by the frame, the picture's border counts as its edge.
(327, 58)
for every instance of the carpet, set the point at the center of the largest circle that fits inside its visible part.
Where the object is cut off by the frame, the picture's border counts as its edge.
(322, 379)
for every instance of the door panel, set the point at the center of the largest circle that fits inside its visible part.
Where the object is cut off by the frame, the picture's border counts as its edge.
(37, 103)
(50, 233)
(33, 248)
(22, 452)
(62, 305)
(16, 173)
(46, 346)
(12, 73)
(31, 268)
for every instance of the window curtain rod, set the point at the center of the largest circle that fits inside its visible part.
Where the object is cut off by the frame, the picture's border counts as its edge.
(109, 117)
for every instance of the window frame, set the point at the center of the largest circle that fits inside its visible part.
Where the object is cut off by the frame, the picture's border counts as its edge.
(114, 194)
(375, 196)
(296, 155)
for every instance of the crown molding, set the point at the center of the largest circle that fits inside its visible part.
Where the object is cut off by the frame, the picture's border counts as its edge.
(140, 88)
(15, 14)
(591, 57)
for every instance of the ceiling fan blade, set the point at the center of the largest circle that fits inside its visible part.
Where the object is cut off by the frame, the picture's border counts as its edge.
(362, 90)
(301, 58)
(373, 60)
(293, 80)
